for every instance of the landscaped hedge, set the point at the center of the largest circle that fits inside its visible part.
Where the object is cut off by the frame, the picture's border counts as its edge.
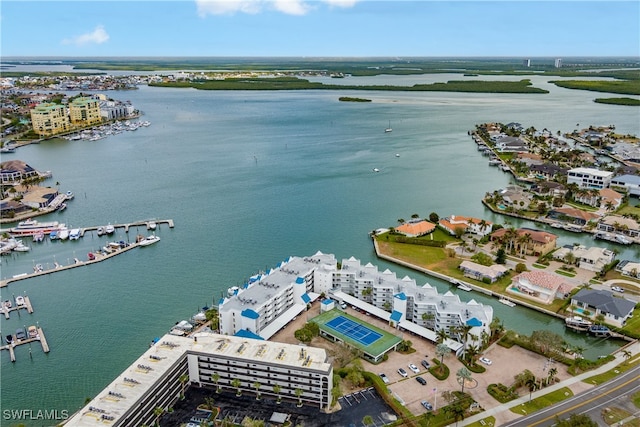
(435, 370)
(406, 417)
(418, 241)
(502, 393)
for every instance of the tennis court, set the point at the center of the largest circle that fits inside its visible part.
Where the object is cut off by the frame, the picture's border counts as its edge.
(374, 342)
(353, 330)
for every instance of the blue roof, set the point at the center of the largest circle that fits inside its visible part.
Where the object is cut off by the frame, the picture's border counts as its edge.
(327, 301)
(221, 301)
(300, 280)
(243, 333)
(306, 298)
(400, 296)
(396, 315)
(474, 322)
(249, 313)
(246, 285)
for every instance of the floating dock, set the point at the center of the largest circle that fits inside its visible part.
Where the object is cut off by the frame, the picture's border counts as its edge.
(40, 338)
(99, 257)
(26, 306)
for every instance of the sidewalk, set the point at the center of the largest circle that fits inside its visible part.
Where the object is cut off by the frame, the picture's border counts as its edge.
(634, 348)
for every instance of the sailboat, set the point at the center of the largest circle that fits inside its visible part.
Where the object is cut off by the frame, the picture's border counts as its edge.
(388, 129)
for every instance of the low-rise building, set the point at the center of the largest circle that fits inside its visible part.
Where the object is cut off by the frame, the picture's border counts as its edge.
(630, 184)
(14, 171)
(477, 226)
(540, 285)
(572, 215)
(616, 310)
(592, 259)
(416, 228)
(589, 178)
(481, 272)
(619, 224)
(526, 240)
(159, 377)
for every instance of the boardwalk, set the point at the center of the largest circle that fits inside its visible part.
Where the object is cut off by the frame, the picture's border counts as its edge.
(99, 256)
(39, 338)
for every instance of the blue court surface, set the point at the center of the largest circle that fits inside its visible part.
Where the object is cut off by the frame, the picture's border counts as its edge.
(353, 330)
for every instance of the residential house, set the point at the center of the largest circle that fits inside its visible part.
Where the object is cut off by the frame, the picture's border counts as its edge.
(628, 183)
(511, 144)
(589, 177)
(482, 272)
(516, 196)
(610, 199)
(14, 171)
(572, 215)
(592, 259)
(525, 240)
(529, 159)
(540, 285)
(547, 171)
(416, 228)
(549, 189)
(616, 310)
(468, 224)
(629, 268)
(619, 224)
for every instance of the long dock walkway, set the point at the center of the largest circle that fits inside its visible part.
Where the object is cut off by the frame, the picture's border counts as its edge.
(99, 256)
(15, 343)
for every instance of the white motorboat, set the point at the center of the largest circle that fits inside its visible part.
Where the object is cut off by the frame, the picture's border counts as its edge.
(389, 129)
(376, 170)
(507, 302)
(30, 227)
(109, 229)
(19, 300)
(63, 233)
(38, 237)
(464, 287)
(69, 195)
(74, 234)
(149, 240)
(100, 231)
(21, 247)
(151, 225)
(577, 323)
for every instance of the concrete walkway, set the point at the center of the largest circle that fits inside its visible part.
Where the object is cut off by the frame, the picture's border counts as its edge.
(633, 348)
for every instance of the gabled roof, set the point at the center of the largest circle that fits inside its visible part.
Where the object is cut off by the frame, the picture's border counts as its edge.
(605, 302)
(416, 228)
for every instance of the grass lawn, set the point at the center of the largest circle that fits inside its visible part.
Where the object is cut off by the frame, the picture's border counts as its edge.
(542, 401)
(565, 273)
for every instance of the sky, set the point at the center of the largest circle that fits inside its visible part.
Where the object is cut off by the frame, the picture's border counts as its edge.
(319, 28)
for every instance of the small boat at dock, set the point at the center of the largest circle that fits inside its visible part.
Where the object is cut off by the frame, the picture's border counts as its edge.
(577, 323)
(29, 227)
(109, 229)
(599, 331)
(149, 240)
(63, 233)
(38, 237)
(74, 234)
(464, 287)
(100, 231)
(507, 302)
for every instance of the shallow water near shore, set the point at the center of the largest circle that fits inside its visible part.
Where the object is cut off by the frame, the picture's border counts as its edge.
(250, 178)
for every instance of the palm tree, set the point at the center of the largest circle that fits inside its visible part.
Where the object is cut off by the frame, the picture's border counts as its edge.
(463, 375)
(441, 351)
(257, 385)
(441, 336)
(276, 390)
(428, 318)
(216, 377)
(236, 383)
(183, 380)
(298, 393)
(531, 383)
(552, 374)
(626, 354)
(158, 411)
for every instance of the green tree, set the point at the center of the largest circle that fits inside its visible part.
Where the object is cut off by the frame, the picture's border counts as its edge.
(183, 381)
(531, 385)
(433, 217)
(501, 256)
(215, 377)
(236, 383)
(367, 420)
(441, 351)
(276, 390)
(257, 385)
(576, 420)
(463, 375)
(158, 411)
(298, 393)
(520, 267)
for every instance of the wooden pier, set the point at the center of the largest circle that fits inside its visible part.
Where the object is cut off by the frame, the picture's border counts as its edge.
(99, 257)
(26, 306)
(145, 223)
(39, 337)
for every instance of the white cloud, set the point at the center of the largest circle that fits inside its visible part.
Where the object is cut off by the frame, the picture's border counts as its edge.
(97, 36)
(289, 7)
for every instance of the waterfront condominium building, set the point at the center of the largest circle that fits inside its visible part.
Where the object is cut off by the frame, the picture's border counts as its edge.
(269, 300)
(49, 119)
(589, 178)
(85, 111)
(165, 370)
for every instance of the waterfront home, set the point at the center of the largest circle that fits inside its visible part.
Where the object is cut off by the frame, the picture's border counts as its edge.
(619, 224)
(14, 171)
(477, 226)
(529, 159)
(605, 198)
(549, 189)
(525, 240)
(629, 268)
(589, 178)
(416, 228)
(511, 144)
(572, 215)
(38, 197)
(630, 184)
(515, 195)
(540, 285)
(481, 272)
(547, 171)
(593, 259)
(616, 310)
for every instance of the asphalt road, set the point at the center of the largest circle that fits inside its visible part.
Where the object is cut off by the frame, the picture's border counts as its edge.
(616, 393)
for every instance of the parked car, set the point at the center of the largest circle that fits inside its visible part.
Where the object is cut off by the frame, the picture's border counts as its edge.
(343, 306)
(427, 405)
(421, 380)
(425, 364)
(485, 361)
(385, 379)
(617, 289)
(403, 372)
(414, 368)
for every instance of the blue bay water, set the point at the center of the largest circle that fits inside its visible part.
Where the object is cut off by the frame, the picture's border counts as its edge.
(250, 178)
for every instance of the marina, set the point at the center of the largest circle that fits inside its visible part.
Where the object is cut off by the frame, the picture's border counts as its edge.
(20, 303)
(34, 334)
